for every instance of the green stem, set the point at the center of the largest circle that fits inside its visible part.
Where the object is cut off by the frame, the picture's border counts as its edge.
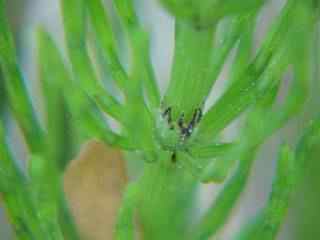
(190, 79)
(125, 222)
(165, 201)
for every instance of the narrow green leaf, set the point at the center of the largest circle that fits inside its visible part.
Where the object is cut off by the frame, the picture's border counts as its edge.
(19, 99)
(66, 220)
(17, 198)
(306, 146)
(142, 81)
(59, 129)
(220, 210)
(245, 47)
(139, 43)
(250, 85)
(106, 40)
(73, 12)
(44, 184)
(258, 126)
(263, 121)
(271, 217)
(10, 173)
(232, 32)
(84, 112)
(210, 151)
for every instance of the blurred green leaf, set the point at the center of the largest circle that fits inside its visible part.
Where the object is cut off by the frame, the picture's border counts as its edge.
(19, 99)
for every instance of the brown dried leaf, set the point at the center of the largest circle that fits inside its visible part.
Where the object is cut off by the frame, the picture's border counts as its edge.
(94, 183)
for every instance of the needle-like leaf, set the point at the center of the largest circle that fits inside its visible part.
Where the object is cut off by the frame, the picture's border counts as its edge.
(18, 96)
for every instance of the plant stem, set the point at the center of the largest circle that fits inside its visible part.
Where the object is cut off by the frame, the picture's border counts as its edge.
(190, 80)
(166, 194)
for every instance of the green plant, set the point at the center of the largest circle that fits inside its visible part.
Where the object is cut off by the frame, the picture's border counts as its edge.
(178, 140)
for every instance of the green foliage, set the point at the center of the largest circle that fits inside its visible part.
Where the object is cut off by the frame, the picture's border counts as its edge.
(209, 12)
(179, 141)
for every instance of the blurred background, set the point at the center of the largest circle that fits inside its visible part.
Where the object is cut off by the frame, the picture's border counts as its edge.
(27, 15)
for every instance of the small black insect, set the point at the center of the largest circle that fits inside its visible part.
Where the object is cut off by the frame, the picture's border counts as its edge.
(196, 118)
(187, 131)
(181, 121)
(174, 157)
(167, 114)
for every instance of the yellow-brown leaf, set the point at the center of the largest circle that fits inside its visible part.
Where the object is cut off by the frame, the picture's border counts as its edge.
(94, 183)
